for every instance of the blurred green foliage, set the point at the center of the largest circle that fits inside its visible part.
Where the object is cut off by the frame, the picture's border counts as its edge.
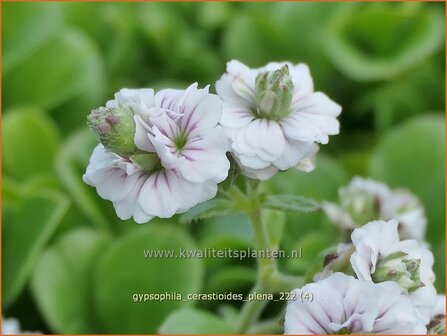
(70, 266)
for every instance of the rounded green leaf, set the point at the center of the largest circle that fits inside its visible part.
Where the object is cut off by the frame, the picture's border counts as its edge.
(380, 41)
(25, 233)
(124, 271)
(66, 66)
(193, 321)
(30, 142)
(61, 282)
(413, 156)
(26, 26)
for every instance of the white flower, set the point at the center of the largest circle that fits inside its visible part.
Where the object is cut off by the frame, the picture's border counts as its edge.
(380, 256)
(342, 304)
(364, 200)
(180, 156)
(274, 118)
(11, 326)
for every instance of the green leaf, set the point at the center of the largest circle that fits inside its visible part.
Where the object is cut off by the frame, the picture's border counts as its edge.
(25, 234)
(46, 82)
(291, 203)
(30, 142)
(413, 156)
(193, 321)
(26, 26)
(381, 41)
(61, 282)
(70, 165)
(208, 209)
(124, 271)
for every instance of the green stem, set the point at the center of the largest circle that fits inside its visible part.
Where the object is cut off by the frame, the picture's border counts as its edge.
(266, 267)
(269, 280)
(251, 310)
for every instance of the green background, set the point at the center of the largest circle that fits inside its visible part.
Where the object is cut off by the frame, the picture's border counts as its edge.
(70, 265)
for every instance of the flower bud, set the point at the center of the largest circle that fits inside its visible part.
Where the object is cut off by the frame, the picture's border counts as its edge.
(273, 93)
(115, 128)
(399, 268)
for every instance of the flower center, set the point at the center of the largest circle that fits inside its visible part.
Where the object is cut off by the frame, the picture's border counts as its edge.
(180, 140)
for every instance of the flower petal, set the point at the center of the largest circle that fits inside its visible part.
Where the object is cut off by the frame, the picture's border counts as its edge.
(262, 138)
(235, 116)
(141, 137)
(313, 118)
(165, 193)
(201, 111)
(205, 157)
(294, 152)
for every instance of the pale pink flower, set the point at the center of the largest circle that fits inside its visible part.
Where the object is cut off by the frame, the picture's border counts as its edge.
(342, 304)
(274, 118)
(180, 157)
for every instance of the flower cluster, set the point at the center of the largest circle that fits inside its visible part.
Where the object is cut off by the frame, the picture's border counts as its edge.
(388, 288)
(162, 153)
(364, 200)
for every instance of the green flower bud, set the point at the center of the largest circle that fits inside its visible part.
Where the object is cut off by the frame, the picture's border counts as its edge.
(115, 128)
(273, 93)
(401, 269)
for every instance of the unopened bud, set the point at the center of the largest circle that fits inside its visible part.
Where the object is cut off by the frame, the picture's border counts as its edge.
(115, 128)
(273, 93)
(400, 268)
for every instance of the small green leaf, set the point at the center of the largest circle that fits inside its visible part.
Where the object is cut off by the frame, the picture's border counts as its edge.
(208, 209)
(124, 271)
(193, 321)
(25, 234)
(61, 282)
(30, 142)
(291, 203)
